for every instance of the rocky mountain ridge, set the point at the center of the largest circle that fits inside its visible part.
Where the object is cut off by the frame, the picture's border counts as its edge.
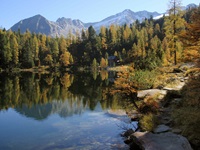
(63, 26)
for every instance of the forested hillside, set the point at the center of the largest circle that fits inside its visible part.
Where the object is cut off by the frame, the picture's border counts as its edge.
(149, 44)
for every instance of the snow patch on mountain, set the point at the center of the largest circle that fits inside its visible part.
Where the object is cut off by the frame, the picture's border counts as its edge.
(125, 17)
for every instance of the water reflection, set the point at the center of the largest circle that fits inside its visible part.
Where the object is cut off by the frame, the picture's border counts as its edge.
(63, 109)
(59, 111)
(40, 95)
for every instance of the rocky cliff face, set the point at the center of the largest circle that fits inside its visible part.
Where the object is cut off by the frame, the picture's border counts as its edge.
(39, 24)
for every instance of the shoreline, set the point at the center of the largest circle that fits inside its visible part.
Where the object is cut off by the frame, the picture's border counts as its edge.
(168, 98)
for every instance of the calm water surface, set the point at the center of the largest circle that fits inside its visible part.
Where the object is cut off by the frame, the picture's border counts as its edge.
(59, 111)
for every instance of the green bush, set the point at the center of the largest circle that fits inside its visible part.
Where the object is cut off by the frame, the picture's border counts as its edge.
(148, 122)
(144, 78)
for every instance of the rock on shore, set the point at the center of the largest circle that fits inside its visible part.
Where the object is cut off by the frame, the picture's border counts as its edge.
(162, 141)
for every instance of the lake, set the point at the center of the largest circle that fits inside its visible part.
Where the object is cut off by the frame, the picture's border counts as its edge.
(60, 111)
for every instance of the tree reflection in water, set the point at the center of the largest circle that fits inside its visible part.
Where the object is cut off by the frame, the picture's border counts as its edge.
(40, 95)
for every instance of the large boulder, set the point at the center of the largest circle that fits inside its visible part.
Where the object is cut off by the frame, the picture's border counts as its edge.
(162, 141)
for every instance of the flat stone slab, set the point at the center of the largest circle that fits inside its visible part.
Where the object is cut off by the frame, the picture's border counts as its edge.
(161, 128)
(150, 92)
(175, 87)
(162, 141)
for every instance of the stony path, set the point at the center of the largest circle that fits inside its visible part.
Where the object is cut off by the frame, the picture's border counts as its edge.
(163, 137)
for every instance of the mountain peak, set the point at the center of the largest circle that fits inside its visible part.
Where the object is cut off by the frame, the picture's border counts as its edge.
(63, 26)
(38, 15)
(65, 22)
(127, 11)
(37, 24)
(63, 19)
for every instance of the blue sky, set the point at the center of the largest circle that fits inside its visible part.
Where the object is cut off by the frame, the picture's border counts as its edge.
(12, 11)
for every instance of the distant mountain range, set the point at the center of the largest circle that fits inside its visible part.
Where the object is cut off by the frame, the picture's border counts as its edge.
(40, 24)
(125, 17)
(63, 26)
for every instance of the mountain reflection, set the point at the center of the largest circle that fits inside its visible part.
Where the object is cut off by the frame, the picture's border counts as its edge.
(63, 109)
(41, 95)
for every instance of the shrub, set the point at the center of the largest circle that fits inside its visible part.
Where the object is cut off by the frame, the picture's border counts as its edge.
(145, 78)
(148, 122)
(149, 105)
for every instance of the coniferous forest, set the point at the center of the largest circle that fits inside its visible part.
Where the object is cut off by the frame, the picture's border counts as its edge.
(149, 44)
(147, 50)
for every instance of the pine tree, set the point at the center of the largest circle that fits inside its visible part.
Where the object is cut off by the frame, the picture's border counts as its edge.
(126, 34)
(125, 86)
(103, 37)
(113, 34)
(7, 54)
(43, 40)
(167, 55)
(3, 42)
(191, 37)
(27, 55)
(94, 64)
(65, 59)
(83, 35)
(15, 50)
(174, 23)
(62, 45)
(103, 63)
(91, 34)
(35, 49)
(48, 59)
(55, 50)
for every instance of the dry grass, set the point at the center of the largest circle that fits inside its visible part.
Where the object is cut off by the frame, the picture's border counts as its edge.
(187, 115)
(148, 122)
(192, 72)
(165, 78)
(119, 68)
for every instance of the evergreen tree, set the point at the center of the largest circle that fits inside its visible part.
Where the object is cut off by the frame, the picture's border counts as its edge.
(126, 34)
(91, 34)
(65, 59)
(113, 35)
(191, 37)
(27, 55)
(7, 54)
(48, 59)
(94, 64)
(103, 37)
(83, 35)
(2, 48)
(43, 40)
(174, 23)
(35, 49)
(62, 45)
(15, 50)
(103, 63)
(55, 50)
